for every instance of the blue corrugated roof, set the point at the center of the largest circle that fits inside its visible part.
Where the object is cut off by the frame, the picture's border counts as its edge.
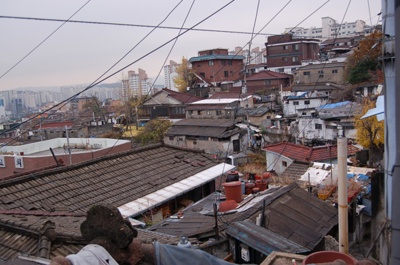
(335, 105)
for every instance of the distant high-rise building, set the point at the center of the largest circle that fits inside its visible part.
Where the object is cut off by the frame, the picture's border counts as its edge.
(136, 85)
(169, 74)
(331, 29)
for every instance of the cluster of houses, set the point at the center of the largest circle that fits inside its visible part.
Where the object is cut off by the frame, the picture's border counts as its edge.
(292, 111)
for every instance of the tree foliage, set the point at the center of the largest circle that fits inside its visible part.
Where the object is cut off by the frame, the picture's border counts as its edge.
(364, 62)
(370, 132)
(96, 107)
(153, 132)
(184, 77)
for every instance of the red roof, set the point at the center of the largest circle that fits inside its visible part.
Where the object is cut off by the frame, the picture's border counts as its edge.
(61, 124)
(268, 75)
(182, 97)
(308, 154)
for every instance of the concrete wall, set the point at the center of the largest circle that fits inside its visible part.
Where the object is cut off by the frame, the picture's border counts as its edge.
(275, 162)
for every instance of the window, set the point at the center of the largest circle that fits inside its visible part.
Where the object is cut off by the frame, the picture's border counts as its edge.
(284, 59)
(267, 82)
(306, 73)
(318, 126)
(203, 74)
(226, 73)
(321, 73)
(306, 102)
(295, 103)
(171, 138)
(199, 112)
(296, 47)
(210, 63)
(286, 47)
(219, 112)
(208, 112)
(304, 113)
(190, 112)
(295, 59)
(284, 163)
(334, 71)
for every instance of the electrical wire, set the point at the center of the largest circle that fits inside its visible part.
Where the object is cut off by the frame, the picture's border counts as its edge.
(187, 15)
(43, 41)
(121, 69)
(131, 25)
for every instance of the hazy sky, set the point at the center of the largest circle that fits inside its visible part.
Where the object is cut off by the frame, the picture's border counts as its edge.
(80, 53)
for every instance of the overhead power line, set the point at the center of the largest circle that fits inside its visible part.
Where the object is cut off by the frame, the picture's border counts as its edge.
(123, 68)
(130, 25)
(43, 41)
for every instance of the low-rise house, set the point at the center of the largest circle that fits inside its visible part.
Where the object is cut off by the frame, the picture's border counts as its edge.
(280, 156)
(214, 136)
(260, 116)
(320, 73)
(17, 160)
(41, 212)
(213, 108)
(167, 104)
(217, 66)
(289, 218)
(303, 102)
(267, 81)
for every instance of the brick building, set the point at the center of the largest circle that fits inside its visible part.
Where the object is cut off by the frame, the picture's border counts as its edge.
(284, 51)
(216, 66)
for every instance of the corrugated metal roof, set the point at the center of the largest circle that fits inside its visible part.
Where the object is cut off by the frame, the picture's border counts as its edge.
(170, 192)
(263, 240)
(216, 101)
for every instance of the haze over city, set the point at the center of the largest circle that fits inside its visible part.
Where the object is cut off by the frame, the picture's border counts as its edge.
(79, 53)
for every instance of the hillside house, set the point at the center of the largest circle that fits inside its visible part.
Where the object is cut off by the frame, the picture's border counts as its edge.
(303, 104)
(167, 104)
(281, 155)
(217, 66)
(320, 73)
(214, 136)
(267, 82)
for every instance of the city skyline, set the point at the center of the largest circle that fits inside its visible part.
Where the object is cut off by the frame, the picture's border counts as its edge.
(79, 53)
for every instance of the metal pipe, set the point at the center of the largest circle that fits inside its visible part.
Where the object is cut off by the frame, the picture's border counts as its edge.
(342, 196)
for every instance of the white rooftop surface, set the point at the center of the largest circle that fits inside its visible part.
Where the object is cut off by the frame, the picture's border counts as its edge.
(43, 147)
(318, 175)
(154, 199)
(215, 101)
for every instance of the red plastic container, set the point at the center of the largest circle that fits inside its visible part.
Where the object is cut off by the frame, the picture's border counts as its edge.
(328, 256)
(233, 190)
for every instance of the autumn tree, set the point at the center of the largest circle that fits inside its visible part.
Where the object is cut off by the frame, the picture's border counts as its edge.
(363, 64)
(370, 132)
(184, 77)
(153, 132)
(95, 106)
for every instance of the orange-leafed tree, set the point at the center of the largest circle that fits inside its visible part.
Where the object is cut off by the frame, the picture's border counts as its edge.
(370, 132)
(363, 65)
(184, 77)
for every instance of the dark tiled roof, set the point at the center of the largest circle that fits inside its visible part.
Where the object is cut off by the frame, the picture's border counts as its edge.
(307, 154)
(321, 66)
(204, 127)
(116, 180)
(263, 75)
(255, 112)
(63, 196)
(182, 97)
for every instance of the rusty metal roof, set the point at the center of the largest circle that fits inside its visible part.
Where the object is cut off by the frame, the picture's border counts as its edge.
(261, 239)
(290, 212)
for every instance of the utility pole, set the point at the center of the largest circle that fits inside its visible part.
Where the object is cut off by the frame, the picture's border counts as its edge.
(342, 196)
(68, 146)
(390, 243)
